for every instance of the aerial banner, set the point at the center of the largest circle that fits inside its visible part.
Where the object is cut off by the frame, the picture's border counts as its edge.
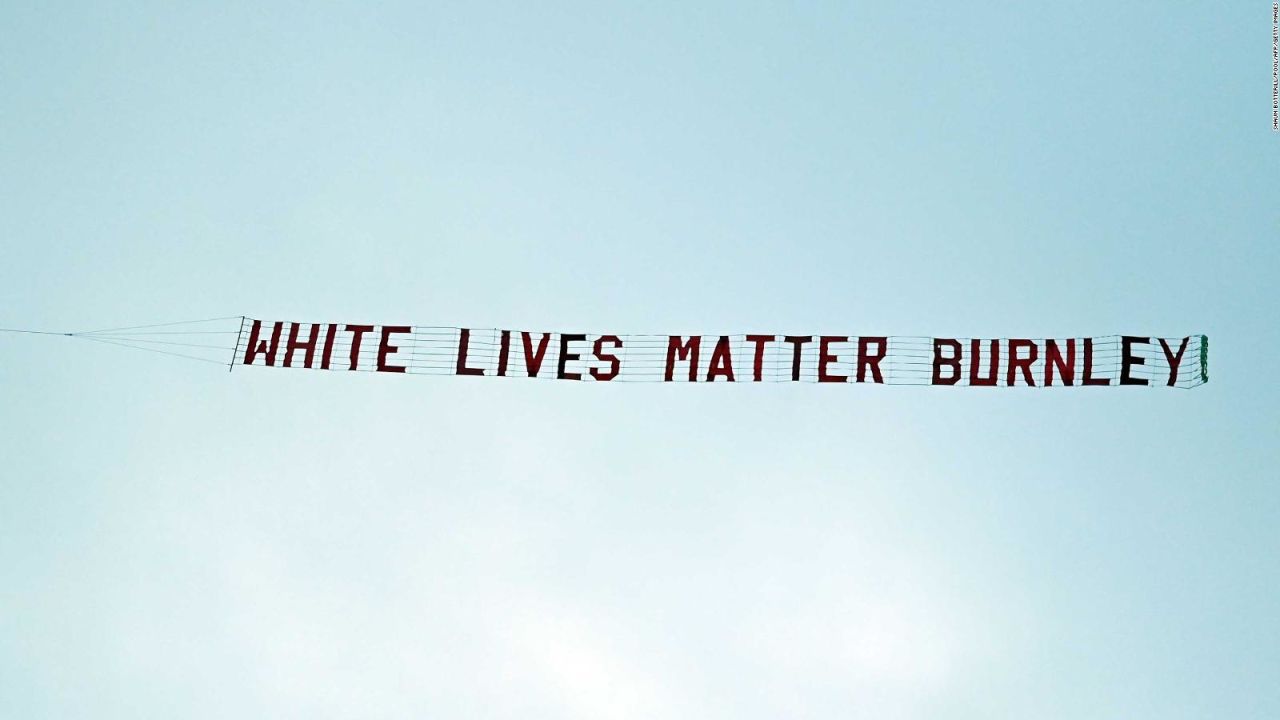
(1101, 361)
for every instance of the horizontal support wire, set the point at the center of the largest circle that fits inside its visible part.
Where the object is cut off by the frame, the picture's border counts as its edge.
(147, 349)
(156, 325)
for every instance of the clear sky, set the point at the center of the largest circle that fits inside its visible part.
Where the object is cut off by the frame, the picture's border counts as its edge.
(179, 541)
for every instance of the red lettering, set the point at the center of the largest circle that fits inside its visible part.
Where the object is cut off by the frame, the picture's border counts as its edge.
(1128, 359)
(329, 335)
(797, 342)
(952, 362)
(1089, 379)
(1024, 364)
(385, 347)
(825, 358)
(504, 353)
(533, 360)
(615, 365)
(1174, 359)
(1053, 358)
(464, 340)
(975, 347)
(867, 360)
(357, 332)
(721, 361)
(259, 347)
(686, 349)
(758, 365)
(293, 345)
(566, 356)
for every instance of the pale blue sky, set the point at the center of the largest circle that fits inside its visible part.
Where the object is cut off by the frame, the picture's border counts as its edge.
(177, 541)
